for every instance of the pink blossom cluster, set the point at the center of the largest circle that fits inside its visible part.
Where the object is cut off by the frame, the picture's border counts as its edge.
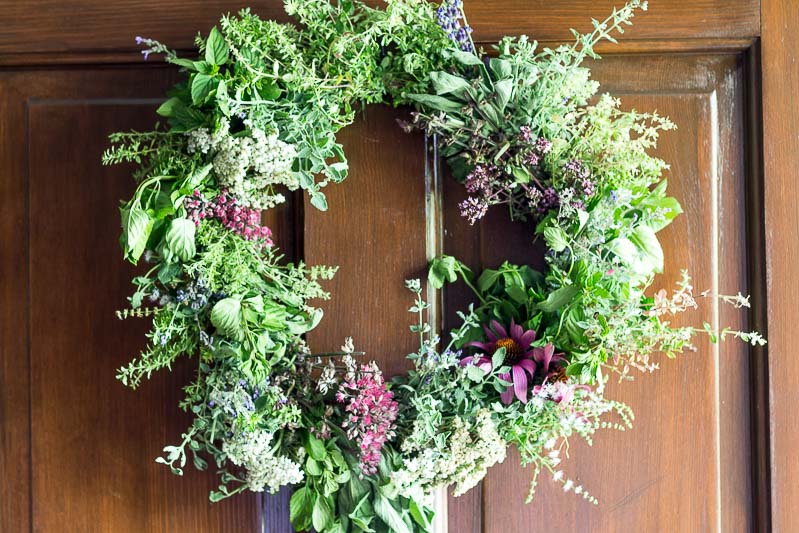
(243, 221)
(371, 413)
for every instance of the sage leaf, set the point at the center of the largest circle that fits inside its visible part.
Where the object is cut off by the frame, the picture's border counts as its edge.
(446, 83)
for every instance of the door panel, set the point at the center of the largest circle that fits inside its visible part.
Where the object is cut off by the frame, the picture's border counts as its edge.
(78, 448)
(688, 449)
(93, 442)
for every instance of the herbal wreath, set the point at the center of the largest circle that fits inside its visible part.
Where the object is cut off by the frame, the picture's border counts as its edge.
(257, 115)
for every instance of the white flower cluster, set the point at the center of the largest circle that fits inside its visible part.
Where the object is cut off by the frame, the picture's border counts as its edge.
(249, 166)
(463, 459)
(251, 450)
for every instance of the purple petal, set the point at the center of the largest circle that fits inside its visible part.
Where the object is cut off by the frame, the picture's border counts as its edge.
(485, 346)
(497, 327)
(520, 383)
(466, 360)
(506, 396)
(485, 367)
(527, 339)
(543, 356)
(489, 334)
(516, 331)
(528, 365)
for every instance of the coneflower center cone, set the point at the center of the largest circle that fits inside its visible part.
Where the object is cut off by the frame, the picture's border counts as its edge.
(513, 352)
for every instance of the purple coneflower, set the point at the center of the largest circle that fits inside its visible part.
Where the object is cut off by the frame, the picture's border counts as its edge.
(523, 359)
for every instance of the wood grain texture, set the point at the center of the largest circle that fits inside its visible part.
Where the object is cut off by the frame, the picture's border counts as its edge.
(375, 232)
(92, 442)
(689, 448)
(780, 56)
(46, 26)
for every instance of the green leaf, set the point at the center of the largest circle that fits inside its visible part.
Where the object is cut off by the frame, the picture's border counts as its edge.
(500, 67)
(488, 279)
(465, 58)
(498, 358)
(647, 242)
(514, 285)
(337, 171)
(216, 49)
(319, 201)
(437, 103)
(418, 515)
(322, 513)
(583, 217)
(136, 228)
(504, 90)
(201, 88)
(226, 317)
(389, 514)
(312, 467)
(446, 83)
(196, 179)
(443, 268)
(556, 238)
(167, 109)
(475, 373)
(299, 505)
(268, 90)
(185, 63)
(558, 298)
(180, 238)
(316, 448)
(521, 174)
(624, 250)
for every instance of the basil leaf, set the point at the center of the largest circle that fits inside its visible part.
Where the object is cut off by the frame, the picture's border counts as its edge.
(647, 242)
(136, 228)
(316, 448)
(201, 88)
(216, 49)
(226, 317)
(442, 269)
(556, 238)
(558, 298)
(322, 513)
(299, 505)
(180, 238)
(389, 514)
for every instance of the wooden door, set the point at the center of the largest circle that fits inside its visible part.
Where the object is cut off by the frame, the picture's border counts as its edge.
(710, 450)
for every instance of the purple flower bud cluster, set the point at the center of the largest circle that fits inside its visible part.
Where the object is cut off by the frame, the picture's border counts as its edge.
(195, 294)
(244, 221)
(450, 15)
(538, 147)
(549, 200)
(480, 179)
(579, 176)
(473, 209)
